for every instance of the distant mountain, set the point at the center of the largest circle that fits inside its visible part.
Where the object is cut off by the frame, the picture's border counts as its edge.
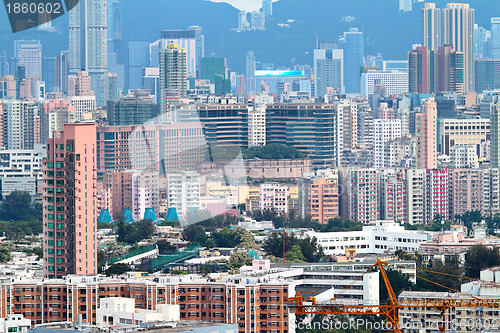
(386, 30)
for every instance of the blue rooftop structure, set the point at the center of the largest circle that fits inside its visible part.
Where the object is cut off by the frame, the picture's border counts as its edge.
(127, 214)
(105, 216)
(172, 214)
(149, 214)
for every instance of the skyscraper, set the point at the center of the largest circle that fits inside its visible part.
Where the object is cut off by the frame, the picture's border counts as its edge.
(62, 72)
(431, 26)
(458, 30)
(137, 60)
(384, 130)
(173, 73)
(426, 136)
(354, 51)
(267, 8)
(88, 33)
(29, 55)
(405, 5)
(422, 71)
(328, 71)
(69, 214)
(451, 69)
(495, 37)
(250, 73)
(481, 42)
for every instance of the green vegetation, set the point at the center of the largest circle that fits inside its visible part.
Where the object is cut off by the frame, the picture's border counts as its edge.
(226, 237)
(117, 269)
(134, 232)
(164, 247)
(5, 252)
(237, 260)
(19, 217)
(480, 257)
(105, 225)
(301, 249)
(272, 151)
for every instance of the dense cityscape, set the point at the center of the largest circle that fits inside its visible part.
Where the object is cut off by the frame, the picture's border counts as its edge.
(145, 185)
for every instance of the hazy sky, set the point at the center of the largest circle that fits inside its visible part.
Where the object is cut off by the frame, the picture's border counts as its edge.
(248, 5)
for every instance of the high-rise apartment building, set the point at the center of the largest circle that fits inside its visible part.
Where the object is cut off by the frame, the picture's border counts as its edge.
(431, 27)
(363, 195)
(352, 43)
(192, 41)
(257, 125)
(20, 129)
(328, 71)
(426, 136)
(495, 135)
(422, 71)
(466, 191)
(394, 204)
(491, 191)
(69, 214)
(458, 31)
(384, 130)
(436, 194)
(173, 73)
(415, 185)
(88, 32)
(324, 199)
(183, 191)
(62, 72)
(274, 197)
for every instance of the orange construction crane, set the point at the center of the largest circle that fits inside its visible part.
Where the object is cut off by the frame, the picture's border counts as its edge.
(298, 303)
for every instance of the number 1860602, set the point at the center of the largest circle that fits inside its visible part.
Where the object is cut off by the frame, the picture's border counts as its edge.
(33, 8)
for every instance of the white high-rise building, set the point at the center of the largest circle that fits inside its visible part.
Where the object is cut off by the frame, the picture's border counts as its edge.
(463, 157)
(145, 193)
(384, 130)
(83, 105)
(183, 191)
(405, 5)
(29, 55)
(18, 120)
(257, 125)
(328, 71)
(415, 182)
(274, 196)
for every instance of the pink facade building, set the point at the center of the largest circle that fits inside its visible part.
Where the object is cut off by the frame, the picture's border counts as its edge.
(69, 214)
(363, 189)
(426, 136)
(436, 194)
(324, 199)
(274, 197)
(466, 191)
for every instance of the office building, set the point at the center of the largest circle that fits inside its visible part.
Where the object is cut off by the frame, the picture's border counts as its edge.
(451, 70)
(250, 73)
(487, 74)
(495, 38)
(384, 130)
(393, 82)
(131, 111)
(70, 241)
(224, 124)
(137, 60)
(482, 40)
(173, 73)
(302, 126)
(257, 21)
(28, 54)
(62, 72)
(458, 31)
(328, 71)
(405, 5)
(352, 43)
(423, 71)
(426, 136)
(431, 27)
(267, 8)
(84, 105)
(462, 132)
(216, 70)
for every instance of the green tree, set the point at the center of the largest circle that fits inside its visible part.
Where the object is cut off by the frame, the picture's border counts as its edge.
(226, 238)
(479, 257)
(165, 247)
(17, 206)
(134, 232)
(399, 282)
(309, 247)
(295, 255)
(5, 252)
(117, 269)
